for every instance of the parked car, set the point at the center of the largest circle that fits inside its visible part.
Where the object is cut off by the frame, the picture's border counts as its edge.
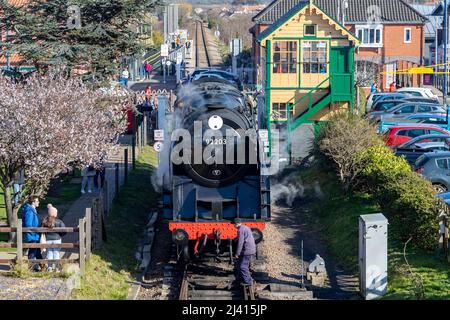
(385, 105)
(400, 134)
(406, 109)
(420, 92)
(416, 147)
(437, 118)
(435, 166)
(420, 99)
(373, 98)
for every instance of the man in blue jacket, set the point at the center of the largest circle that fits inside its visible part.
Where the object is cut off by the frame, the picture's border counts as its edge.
(246, 248)
(30, 219)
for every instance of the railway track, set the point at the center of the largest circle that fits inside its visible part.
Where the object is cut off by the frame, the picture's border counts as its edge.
(202, 59)
(210, 279)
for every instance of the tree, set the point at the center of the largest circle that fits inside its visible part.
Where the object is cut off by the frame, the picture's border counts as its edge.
(49, 122)
(158, 38)
(342, 139)
(46, 33)
(185, 11)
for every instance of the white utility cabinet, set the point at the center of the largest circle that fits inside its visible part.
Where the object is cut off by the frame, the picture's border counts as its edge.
(373, 263)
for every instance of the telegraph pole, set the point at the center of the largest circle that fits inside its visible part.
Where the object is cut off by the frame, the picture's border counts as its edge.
(446, 57)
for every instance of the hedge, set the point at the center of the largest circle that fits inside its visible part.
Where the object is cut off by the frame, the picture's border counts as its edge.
(407, 199)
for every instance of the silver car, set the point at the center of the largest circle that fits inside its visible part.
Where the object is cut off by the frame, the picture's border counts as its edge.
(406, 109)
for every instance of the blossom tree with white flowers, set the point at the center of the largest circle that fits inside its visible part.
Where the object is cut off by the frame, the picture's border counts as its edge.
(49, 122)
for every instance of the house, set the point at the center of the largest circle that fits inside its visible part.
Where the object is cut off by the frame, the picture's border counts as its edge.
(431, 37)
(308, 67)
(391, 32)
(9, 58)
(431, 32)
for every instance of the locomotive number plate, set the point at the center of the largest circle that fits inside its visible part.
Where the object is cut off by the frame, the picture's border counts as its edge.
(216, 141)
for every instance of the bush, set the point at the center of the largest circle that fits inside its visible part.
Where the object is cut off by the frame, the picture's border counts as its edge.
(341, 139)
(411, 205)
(407, 199)
(362, 160)
(381, 165)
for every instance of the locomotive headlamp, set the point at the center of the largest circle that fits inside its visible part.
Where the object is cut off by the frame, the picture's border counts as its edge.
(215, 123)
(180, 236)
(257, 235)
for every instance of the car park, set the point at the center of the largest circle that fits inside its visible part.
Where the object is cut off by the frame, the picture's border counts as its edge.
(400, 134)
(416, 147)
(435, 166)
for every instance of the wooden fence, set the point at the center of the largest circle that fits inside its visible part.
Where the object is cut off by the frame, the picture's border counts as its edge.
(83, 245)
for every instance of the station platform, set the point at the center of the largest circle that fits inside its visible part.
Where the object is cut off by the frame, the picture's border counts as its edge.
(156, 82)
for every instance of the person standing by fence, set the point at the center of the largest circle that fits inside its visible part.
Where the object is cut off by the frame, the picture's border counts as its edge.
(88, 174)
(30, 219)
(19, 181)
(51, 221)
(99, 173)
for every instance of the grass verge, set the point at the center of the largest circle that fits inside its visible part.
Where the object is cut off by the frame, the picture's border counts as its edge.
(110, 269)
(337, 217)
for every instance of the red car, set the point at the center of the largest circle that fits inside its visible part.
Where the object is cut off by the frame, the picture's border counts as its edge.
(398, 135)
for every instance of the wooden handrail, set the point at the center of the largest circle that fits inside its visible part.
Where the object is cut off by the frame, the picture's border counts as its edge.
(40, 230)
(40, 245)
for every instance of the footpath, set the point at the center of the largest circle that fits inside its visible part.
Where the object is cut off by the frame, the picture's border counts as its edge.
(48, 288)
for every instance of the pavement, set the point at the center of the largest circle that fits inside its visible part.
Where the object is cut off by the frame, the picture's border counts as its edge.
(156, 82)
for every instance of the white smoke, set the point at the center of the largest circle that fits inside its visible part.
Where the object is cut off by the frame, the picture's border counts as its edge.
(289, 189)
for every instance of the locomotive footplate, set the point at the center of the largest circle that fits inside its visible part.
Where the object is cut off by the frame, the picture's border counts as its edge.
(194, 231)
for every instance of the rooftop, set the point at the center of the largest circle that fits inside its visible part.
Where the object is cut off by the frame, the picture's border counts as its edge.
(359, 11)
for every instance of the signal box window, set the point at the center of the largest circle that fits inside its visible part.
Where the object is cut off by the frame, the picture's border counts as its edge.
(315, 57)
(285, 57)
(310, 30)
(279, 111)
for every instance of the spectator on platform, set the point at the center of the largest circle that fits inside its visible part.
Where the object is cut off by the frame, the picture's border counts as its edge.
(30, 219)
(88, 174)
(148, 99)
(148, 70)
(125, 76)
(51, 221)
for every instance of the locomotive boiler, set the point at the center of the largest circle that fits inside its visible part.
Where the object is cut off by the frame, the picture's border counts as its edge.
(215, 169)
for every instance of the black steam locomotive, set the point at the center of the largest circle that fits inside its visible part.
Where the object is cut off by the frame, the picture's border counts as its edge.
(220, 178)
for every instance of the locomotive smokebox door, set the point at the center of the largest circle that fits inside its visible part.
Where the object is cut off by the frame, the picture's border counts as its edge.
(373, 247)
